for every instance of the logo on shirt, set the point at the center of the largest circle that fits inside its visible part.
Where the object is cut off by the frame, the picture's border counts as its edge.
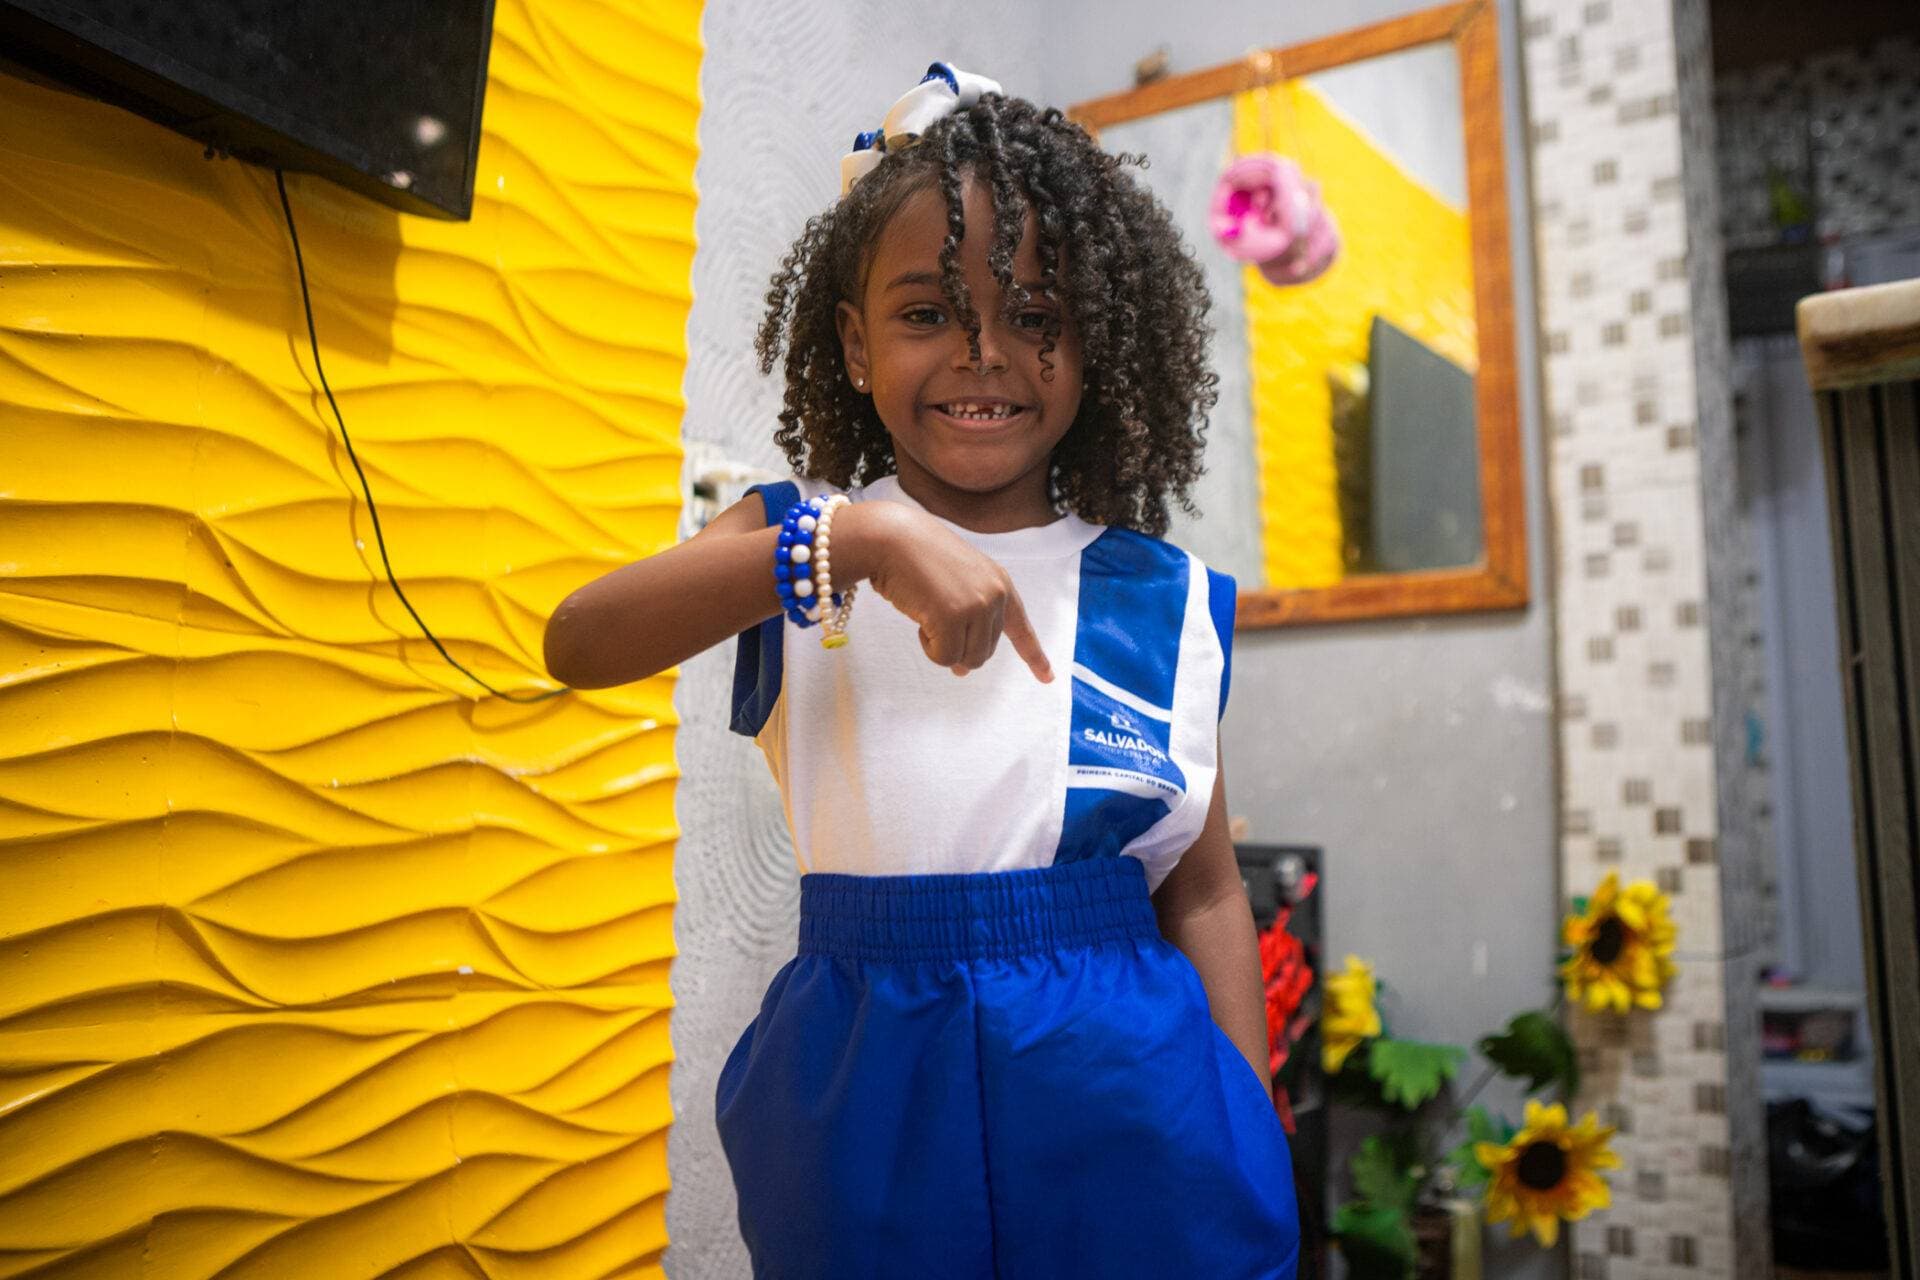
(1117, 745)
(1125, 734)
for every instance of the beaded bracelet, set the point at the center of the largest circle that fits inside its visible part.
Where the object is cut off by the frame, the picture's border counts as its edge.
(834, 608)
(801, 569)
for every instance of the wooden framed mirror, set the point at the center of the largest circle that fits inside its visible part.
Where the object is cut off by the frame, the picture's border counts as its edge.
(1364, 458)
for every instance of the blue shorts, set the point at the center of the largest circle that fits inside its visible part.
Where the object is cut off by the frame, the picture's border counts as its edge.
(1007, 1075)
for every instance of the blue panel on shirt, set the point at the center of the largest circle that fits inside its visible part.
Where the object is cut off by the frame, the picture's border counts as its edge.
(1104, 823)
(1223, 596)
(757, 659)
(1132, 609)
(1133, 603)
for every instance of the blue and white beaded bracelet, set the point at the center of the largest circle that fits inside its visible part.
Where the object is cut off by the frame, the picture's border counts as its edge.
(801, 568)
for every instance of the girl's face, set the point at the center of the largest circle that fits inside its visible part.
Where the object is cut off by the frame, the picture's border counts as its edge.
(966, 437)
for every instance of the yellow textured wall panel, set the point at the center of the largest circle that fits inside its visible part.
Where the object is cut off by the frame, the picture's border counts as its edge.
(311, 964)
(1404, 255)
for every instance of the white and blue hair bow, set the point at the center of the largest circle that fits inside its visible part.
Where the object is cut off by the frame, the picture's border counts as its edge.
(944, 90)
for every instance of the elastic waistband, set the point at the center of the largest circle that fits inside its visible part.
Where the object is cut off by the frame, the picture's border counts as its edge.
(987, 915)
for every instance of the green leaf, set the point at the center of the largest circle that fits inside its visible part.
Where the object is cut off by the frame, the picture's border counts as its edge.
(1377, 1243)
(1483, 1127)
(1410, 1072)
(1381, 1177)
(1468, 1172)
(1355, 1085)
(1534, 1048)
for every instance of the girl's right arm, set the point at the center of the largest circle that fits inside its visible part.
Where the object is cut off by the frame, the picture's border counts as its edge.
(653, 614)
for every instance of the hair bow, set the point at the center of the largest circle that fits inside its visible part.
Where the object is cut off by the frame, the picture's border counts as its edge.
(944, 90)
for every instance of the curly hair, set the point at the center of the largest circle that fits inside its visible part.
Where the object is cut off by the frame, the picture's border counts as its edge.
(1109, 253)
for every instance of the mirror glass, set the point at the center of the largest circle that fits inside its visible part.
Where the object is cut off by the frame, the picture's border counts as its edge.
(1345, 440)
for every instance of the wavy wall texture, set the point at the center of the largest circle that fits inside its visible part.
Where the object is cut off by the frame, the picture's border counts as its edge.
(1297, 334)
(313, 964)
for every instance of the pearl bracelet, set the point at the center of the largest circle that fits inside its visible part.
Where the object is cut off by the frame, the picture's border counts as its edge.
(832, 610)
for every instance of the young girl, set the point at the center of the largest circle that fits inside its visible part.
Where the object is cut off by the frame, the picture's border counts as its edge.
(1000, 1050)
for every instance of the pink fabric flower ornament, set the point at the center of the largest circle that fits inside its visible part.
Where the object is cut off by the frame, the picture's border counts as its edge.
(1265, 211)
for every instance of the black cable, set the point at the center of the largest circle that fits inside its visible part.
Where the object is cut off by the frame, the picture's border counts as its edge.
(313, 340)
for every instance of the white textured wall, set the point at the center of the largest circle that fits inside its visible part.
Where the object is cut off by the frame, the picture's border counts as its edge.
(786, 87)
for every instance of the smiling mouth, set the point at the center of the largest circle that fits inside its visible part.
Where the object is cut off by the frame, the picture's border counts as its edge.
(984, 412)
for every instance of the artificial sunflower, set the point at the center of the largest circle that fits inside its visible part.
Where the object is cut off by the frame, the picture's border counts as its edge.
(1622, 947)
(1547, 1172)
(1348, 1015)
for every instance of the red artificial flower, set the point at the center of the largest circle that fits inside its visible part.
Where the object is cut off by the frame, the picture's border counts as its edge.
(1288, 979)
(1284, 1105)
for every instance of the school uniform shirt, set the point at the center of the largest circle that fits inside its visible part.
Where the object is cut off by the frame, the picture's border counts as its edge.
(892, 765)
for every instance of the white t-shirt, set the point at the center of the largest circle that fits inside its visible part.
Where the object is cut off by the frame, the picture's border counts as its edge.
(891, 765)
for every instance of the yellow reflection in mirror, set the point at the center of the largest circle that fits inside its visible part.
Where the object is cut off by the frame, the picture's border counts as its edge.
(1404, 258)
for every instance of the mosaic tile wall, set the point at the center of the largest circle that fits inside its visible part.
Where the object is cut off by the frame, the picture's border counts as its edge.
(1842, 127)
(1654, 777)
(1745, 843)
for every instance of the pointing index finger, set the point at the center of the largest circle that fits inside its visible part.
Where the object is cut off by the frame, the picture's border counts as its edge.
(1019, 633)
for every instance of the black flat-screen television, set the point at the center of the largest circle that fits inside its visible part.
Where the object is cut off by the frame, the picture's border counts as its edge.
(382, 96)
